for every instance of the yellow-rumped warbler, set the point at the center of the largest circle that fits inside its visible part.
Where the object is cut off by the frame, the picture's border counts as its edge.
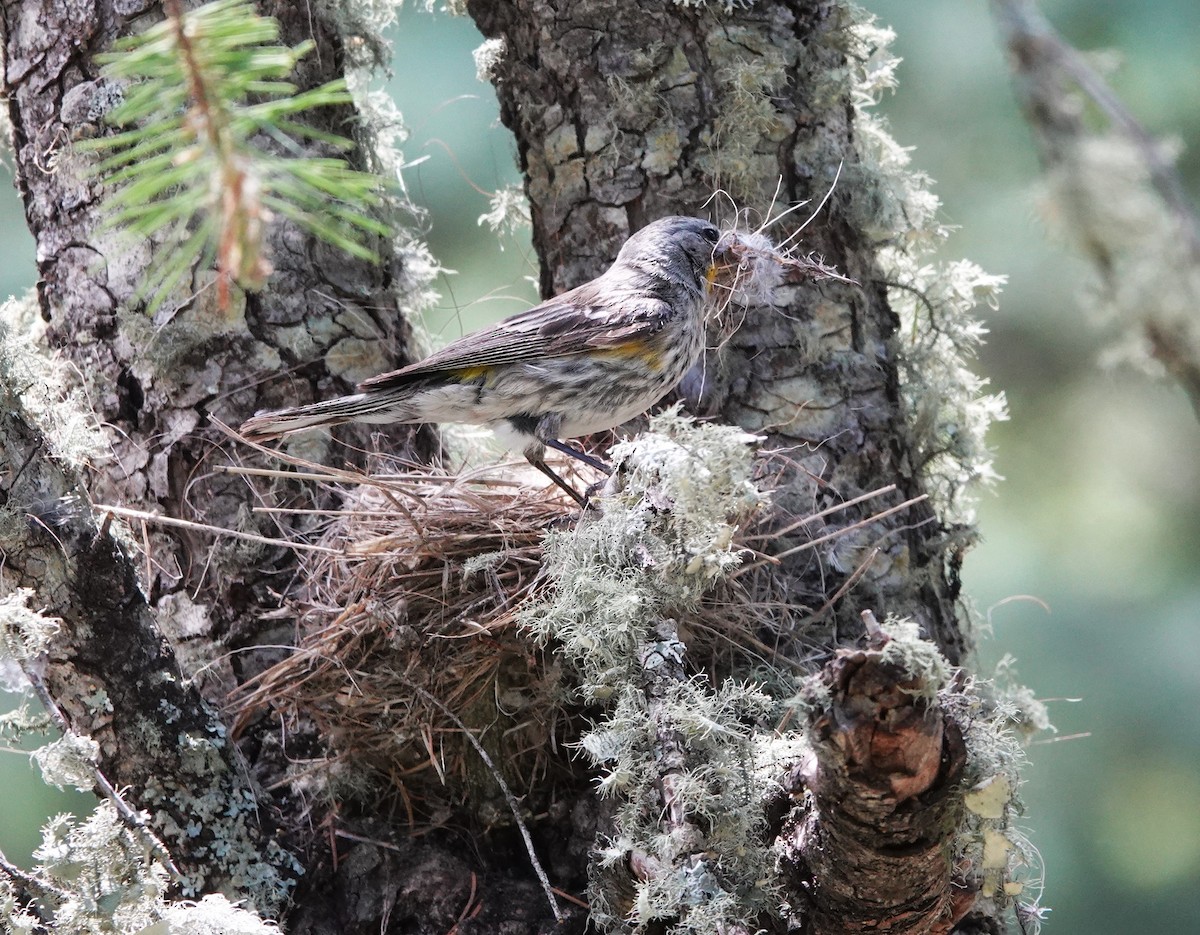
(582, 362)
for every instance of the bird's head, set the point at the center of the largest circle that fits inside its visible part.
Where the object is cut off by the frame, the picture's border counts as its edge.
(683, 250)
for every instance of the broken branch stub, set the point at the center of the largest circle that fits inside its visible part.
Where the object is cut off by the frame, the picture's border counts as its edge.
(871, 841)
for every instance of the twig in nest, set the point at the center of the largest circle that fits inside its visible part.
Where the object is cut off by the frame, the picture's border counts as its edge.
(157, 518)
(433, 590)
(812, 543)
(513, 805)
(828, 511)
(849, 582)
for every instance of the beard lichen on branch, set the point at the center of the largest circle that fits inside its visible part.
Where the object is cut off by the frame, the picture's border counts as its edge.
(948, 412)
(94, 876)
(676, 750)
(45, 389)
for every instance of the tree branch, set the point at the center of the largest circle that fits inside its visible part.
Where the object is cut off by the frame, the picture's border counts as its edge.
(1123, 201)
(874, 846)
(111, 676)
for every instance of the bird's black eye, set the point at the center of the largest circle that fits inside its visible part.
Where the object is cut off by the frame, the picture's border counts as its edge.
(711, 234)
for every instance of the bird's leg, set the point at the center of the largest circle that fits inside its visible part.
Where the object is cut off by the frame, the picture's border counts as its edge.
(545, 431)
(593, 489)
(576, 453)
(535, 455)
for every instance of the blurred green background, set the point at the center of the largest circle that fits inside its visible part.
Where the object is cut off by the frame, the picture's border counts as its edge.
(1099, 515)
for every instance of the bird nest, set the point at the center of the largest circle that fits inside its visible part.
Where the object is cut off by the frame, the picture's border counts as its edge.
(410, 660)
(408, 639)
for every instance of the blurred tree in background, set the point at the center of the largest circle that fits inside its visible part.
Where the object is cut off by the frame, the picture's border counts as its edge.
(1099, 518)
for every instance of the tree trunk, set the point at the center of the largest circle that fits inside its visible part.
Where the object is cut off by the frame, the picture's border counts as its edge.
(326, 322)
(648, 116)
(623, 112)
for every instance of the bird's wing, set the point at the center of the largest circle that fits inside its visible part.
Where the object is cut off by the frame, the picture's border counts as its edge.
(590, 317)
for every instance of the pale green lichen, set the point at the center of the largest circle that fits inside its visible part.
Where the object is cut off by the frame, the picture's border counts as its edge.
(741, 147)
(615, 572)
(665, 534)
(988, 844)
(727, 5)
(69, 761)
(948, 410)
(1146, 281)
(23, 316)
(14, 915)
(222, 836)
(1026, 714)
(488, 55)
(212, 915)
(363, 25)
(25, 634)
(918, 657)
(6, 128)
(380, 131)
(485, 561)
(508, 212)
(96, 878)
(22, 720)
(664, 147)
(450, 7)
(46, 390)
(101, 875)
(719, 790)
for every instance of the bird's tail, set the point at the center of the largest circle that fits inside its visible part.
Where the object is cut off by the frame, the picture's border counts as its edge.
(361, 407)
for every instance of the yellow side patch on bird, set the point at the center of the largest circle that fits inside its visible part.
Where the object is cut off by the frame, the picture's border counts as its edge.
(711, 274)
(467, 374)
(635, 350)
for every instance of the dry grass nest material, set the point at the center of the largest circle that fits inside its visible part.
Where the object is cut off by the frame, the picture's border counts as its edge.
(421, 601)
(408, 636)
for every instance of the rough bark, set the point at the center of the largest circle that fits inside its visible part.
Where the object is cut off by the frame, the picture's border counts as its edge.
(640, 118)
(325, 322)
(117, 681)
(644, 117)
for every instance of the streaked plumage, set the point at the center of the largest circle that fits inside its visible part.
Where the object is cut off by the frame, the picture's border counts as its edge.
(584, 361)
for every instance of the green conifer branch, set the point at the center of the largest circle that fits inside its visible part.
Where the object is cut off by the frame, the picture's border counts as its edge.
(205, 92)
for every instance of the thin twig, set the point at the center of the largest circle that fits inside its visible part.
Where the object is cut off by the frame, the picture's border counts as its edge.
(328, 478)
(828, 511)
(849, 583)
(151, 517)
(572, 899)
(42, 892)
(513, 804)
(845, 529)
(363, 839)
(131, 819)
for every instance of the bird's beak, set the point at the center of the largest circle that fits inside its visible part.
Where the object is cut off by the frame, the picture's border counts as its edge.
(722, 257)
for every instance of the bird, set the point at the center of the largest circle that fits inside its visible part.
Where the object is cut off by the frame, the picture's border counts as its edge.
(584, 361)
